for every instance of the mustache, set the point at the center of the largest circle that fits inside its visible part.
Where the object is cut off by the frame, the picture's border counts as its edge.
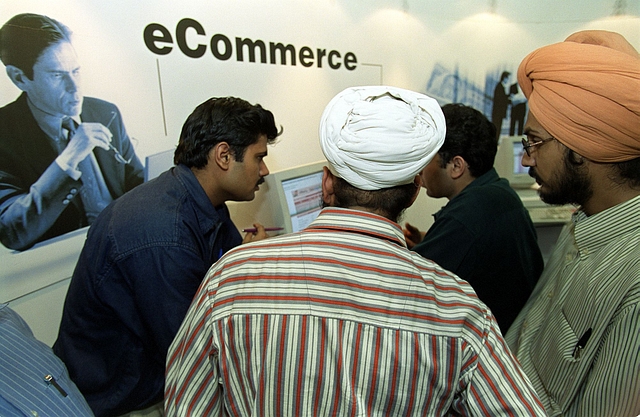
(532, 173)
(261, 181)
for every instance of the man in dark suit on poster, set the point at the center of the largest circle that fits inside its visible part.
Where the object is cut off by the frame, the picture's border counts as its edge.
(501, 101)
(63, 156)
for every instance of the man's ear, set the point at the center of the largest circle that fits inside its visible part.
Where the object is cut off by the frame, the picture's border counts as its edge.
(417, 182)
(17, 76)
(221, 155)
(328, 194)
(457, 167)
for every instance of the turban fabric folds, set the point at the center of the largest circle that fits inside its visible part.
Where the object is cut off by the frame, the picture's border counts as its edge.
(585, 92)
(379, 137)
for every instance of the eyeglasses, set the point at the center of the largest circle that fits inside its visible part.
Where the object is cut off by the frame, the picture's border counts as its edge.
(116, 152)
(526, 145)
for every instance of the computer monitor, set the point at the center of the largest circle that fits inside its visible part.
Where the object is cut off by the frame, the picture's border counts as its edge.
(296, 195)
(508, 162)
(157, 163)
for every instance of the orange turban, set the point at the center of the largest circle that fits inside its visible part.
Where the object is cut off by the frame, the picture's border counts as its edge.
(585, 92)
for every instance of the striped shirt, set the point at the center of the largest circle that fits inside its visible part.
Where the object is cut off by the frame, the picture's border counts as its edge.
(578, 337)
(340, 319)
(33, 380)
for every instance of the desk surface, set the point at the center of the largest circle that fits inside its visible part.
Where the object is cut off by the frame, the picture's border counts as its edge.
(542, 213)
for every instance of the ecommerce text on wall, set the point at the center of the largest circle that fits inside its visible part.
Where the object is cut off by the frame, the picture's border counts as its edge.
(158, 40)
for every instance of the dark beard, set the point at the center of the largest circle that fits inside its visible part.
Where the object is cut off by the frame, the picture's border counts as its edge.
(572, 185)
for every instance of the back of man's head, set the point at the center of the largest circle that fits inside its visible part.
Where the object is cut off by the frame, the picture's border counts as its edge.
(470, 135)
(378, 139)
(25, 36)
(223, 119)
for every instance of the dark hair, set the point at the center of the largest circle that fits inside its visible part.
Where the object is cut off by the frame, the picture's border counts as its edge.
(505, 74)
(226, 119)
(25, 36)
(629, 172)
(388, 202)
(470, 135)
(626, 172)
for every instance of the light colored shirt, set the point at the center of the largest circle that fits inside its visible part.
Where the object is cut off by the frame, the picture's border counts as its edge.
(578, 336)
(340, 319)
(33, 380)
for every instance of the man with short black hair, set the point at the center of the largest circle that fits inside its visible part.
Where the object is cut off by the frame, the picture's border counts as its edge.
(484, 234)
(147, 253)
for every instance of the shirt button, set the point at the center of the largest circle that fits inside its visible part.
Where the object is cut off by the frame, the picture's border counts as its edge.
(65, 201)
(73, 191)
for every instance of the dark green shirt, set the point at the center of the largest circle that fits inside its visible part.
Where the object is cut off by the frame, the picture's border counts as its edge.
(485, 236)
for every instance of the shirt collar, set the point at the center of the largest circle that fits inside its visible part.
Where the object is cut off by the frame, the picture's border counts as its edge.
(361, 222)
(597, 230)
(50, 124)
(484, 179)
(211, 215)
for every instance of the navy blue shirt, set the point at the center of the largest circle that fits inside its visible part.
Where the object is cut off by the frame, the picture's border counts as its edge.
(140, 267)
(486, 237)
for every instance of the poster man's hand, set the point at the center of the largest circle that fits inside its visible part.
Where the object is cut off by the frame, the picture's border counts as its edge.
(86, 137)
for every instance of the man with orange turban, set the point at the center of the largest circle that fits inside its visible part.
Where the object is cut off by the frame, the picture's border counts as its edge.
(578, 336)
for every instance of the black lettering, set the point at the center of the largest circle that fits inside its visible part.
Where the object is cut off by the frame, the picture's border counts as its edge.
(215, 40)
(273, 47)
(252, 50)
(331, 55)
(306, 56)
(350, 58)
(181, 38)
(321, 53)
(159, 40)
(150, 38)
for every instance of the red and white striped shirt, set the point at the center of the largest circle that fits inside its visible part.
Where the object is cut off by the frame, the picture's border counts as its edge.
(340, 319)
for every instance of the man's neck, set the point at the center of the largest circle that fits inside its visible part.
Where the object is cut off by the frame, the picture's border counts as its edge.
(460, 184)
(607, 191)
(601, 201)
(377, 212)
(49, 123)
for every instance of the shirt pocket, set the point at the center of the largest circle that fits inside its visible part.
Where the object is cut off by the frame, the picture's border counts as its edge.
(559, 364)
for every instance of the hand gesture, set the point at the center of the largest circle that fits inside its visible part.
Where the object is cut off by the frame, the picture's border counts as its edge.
(412, 235)
(259, 234)
(86, 137)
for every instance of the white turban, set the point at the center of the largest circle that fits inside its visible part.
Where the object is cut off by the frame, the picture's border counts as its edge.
(379, 137)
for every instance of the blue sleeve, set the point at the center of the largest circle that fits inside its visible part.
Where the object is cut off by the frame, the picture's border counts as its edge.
(24, 363)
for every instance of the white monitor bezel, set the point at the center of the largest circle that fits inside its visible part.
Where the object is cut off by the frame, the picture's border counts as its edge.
(278, 199)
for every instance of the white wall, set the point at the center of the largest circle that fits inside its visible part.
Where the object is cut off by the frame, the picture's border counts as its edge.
(396, 42)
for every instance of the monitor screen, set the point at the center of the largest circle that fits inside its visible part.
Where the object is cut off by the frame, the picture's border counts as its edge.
(296, 195)
(304, 199)
(517, 151)
(508, 162)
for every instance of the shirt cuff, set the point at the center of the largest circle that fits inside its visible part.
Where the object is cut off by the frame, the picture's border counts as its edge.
(72, 172)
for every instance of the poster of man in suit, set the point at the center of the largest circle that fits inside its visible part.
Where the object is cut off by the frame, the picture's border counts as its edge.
(63, 156)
